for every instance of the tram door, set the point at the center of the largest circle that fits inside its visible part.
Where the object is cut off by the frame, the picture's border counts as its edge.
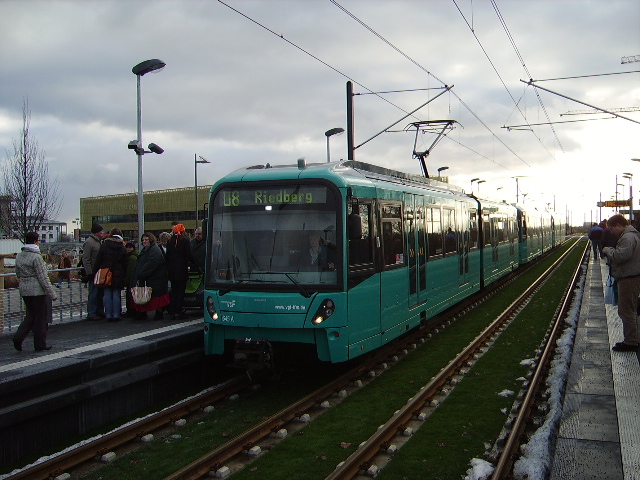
(416, 249)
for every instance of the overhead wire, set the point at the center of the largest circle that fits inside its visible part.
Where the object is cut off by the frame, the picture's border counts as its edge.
(495, 69)
(524, 66)
(281, 36)
(354, 17)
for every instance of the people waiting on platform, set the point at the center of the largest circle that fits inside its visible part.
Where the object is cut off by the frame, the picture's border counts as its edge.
(151, 271)
(132, 257)
(595, 234)
(625, 268)
(36, 290)
(65, 262)
(90, 249)
(178, 258)
(113, 256)
(198, 248)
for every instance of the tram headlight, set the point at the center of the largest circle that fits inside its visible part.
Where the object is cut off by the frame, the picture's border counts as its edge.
(325, 310)
(211, 308)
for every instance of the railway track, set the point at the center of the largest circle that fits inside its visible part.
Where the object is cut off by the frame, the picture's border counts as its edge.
(361, 462)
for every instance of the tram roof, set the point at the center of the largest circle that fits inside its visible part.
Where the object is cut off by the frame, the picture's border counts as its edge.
(342, 167)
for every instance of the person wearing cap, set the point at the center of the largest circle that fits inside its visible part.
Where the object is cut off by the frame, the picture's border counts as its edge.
(178, 257)
(90, 249)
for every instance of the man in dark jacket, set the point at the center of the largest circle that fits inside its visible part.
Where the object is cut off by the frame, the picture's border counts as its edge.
(595, 234)
(178, 257)
(198, 248)
(95, 308)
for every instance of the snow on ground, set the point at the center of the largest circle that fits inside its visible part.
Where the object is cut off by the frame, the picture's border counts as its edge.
(537, 455)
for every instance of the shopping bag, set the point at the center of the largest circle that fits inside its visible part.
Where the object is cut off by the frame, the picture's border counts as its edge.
(141, 295)
(102, 278)
(611, 291)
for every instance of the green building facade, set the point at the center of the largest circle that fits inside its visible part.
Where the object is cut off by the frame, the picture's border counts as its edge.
(161, 207)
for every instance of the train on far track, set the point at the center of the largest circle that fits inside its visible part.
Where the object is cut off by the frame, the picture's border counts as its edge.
(346, 256)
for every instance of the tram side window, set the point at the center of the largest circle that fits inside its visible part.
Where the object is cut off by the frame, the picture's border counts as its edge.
(450, 237)
(500, 230)
(393, 249)
(473, 235)
(360, 238)
(434, 231)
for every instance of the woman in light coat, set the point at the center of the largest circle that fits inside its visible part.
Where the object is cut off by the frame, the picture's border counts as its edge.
(35, 287)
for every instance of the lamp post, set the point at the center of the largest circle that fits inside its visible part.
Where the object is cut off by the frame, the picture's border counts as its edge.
(629, 176)
(631, 199)
(479, 182)
(140, 70)
(473, 180)
(195, 179)
(518, 187)
(440, 170)
(330, 133)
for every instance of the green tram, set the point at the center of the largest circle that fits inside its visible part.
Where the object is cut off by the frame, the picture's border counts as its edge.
(343, 257)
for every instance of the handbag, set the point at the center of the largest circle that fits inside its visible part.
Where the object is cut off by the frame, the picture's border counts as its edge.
(141, 295)
(611, 291)
(102, 278)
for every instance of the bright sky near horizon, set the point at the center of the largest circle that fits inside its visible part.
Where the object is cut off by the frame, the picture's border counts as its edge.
(255, 82)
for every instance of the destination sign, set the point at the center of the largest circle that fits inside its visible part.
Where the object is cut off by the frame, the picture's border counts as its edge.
(614, 203)
(297, 194)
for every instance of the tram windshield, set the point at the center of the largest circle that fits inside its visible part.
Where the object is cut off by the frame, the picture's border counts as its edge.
(277, 236)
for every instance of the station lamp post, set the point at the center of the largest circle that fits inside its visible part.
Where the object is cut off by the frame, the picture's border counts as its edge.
(195, 178)
(140, 70)
(479, 182)
(440, 170)
(473, 180)
(518, 187)
(330, 133)
(629, 176)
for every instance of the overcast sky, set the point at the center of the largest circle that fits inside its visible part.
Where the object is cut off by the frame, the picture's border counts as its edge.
(239, 95)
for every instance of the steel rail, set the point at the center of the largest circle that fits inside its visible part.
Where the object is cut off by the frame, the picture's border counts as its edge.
(371, 447)
(244, 441)
(506, 460)
(59, 464)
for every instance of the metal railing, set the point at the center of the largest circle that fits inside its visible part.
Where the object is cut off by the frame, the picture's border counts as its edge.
(70, 306)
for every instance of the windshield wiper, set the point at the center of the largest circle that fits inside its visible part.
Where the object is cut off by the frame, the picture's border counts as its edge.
(230, 288)
(303, 291)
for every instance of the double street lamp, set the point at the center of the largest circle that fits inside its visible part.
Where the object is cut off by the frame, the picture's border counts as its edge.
(136, 145)
(195, 175)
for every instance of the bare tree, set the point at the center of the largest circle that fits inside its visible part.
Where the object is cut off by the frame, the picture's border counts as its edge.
(33, 196)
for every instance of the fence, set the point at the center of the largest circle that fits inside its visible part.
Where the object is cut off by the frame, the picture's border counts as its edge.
(70, 306)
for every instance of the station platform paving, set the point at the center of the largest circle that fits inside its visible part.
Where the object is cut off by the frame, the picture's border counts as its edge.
(85, 338)
(599, 432)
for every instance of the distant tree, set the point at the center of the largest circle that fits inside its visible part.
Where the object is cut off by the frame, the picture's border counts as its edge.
(33, 196)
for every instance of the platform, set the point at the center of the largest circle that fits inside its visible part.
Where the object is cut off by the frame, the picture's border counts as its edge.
(97, 372)
(599, 433)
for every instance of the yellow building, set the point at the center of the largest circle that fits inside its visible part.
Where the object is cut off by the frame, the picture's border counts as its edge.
(161, 207)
